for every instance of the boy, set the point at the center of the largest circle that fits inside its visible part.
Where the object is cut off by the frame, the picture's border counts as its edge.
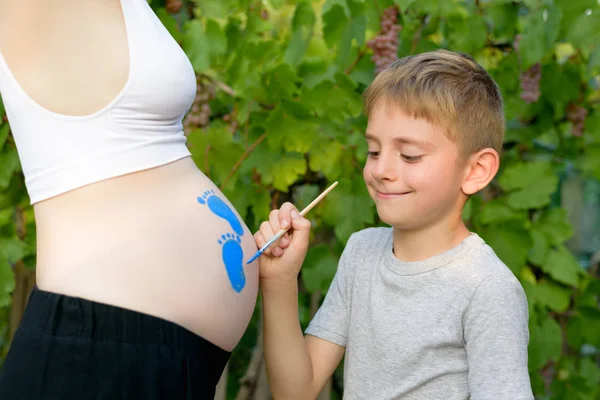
(424, 309)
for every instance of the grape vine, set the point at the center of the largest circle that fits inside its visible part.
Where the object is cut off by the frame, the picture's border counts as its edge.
(199, 115)
(385, 45)
(530, 83)
(173, 6)
(576, 113)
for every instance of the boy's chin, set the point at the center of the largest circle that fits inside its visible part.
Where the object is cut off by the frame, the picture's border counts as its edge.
(399, 222)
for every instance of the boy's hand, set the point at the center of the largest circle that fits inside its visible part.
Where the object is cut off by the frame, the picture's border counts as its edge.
(284, 258)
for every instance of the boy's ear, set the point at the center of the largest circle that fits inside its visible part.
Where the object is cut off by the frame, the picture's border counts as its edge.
(481, 168)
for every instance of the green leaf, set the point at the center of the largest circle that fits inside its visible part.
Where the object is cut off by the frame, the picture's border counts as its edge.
(216, 37)
(215, 9)
(592, 124)
(591, 372)
(7, 282)
(214, 147)
(170, 23)
(340, 29)
(348, 208)
(530, 184)
(280, 82)
(553, 19)
(539, 249)
(319, 268)
(575, 331)
(471, 42)
(302, 30)
(590, 163)
(497, 210)
(557, 87)
(571, 10)
(196, 45)
(562, 267)
(244, 194)
(4, 129)
(287, 170)
(342, 4)
(325, 158)
(555, 297)
(336, 101)
(438, 8)
(404, 4)
(511, 242)
(276, 4)
(13, 250)
(591, 325)
(545, 343)
(532, 46)
(9, 164)
(287, 132)
(502, 19)
(335, 21)
(520, 175)
(2, 110)
(533, 196)
(585, 30)
(554, 224)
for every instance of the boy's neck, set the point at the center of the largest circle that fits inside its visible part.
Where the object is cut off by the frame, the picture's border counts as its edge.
(419, 245)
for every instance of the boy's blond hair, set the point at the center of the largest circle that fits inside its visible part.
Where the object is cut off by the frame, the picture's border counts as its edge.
(445, 88)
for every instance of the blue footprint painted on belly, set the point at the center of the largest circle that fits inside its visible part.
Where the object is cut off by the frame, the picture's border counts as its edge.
(221, 209)
(233, 257)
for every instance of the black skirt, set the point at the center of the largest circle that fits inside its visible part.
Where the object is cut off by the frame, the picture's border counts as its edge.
(70, 348)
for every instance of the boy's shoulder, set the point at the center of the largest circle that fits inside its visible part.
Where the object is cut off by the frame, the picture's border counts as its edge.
(485, 263)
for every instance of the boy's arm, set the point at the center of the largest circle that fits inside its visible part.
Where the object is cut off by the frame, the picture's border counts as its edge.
(298, 366)
(496, 338)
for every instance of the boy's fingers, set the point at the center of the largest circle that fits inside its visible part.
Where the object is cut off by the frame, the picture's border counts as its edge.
(259, 239)
(284, 241)
(274, 221)
(279, 221)
(301, 228)
(285, 214)
(267, 233)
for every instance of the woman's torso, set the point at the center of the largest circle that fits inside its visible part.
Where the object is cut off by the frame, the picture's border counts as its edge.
(153, 241)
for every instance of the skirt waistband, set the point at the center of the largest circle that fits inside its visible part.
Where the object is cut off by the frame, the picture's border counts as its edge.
(65, 316)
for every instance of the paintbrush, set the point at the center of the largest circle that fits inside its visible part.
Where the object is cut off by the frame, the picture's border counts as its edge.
(279, 234)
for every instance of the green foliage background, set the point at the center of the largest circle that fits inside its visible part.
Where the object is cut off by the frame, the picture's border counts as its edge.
(290, 74)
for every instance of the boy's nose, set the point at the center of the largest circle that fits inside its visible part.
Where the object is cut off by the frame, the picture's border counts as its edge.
(385, 168)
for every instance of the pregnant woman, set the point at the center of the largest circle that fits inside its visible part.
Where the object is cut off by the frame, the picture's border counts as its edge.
(142, 288)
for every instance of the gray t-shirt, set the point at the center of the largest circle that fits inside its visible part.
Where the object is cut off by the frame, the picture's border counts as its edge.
(454, 326)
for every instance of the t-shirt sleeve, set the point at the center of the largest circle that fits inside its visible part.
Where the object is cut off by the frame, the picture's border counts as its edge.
(496, 337)
(331, 320)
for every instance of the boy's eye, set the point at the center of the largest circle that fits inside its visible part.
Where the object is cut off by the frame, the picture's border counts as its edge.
(372, 153)
(411, 159)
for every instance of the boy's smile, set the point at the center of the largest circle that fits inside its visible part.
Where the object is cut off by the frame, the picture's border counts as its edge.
(390, 195)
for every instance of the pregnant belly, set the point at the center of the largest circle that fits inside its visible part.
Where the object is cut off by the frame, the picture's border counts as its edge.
(165, 242)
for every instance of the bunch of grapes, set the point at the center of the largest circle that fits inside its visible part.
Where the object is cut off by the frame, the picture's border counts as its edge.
(530, 83)
(576, 113)
(385, 45)
(199, 114)
(173, 6)
(231, 121)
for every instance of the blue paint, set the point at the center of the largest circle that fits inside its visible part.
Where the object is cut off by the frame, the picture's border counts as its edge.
(221, 209)
(233, 256)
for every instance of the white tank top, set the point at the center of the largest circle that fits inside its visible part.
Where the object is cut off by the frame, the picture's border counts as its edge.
(140, 129)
